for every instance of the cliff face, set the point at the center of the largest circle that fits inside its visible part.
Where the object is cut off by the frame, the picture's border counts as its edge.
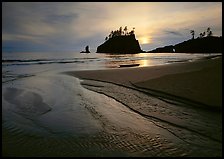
(121, 45)
(201, 45)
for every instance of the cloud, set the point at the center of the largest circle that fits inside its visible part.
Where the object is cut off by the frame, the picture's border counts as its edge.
(176, 33)
(70, 25)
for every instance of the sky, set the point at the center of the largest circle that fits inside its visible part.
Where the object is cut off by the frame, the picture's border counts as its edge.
(70, 26)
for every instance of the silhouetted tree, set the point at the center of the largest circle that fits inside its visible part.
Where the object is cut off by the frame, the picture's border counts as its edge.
(131, 32)
(208, 29)
(120, 31)
(201, 35)
(192, 33)
(125, 30)
(111, 34)
(209, 32)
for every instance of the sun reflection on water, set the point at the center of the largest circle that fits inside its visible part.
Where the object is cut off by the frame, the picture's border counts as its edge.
(144, 59)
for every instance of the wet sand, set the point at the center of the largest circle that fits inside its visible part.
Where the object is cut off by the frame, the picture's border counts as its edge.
(182, 98)
(199, 81)
(112, 113)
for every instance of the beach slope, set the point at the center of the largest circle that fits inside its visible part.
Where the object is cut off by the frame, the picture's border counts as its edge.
(199, 81)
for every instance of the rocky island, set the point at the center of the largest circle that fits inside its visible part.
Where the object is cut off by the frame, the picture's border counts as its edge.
(202, 44)
(120, 42)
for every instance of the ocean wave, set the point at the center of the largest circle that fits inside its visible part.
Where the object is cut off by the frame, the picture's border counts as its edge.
(11, 62)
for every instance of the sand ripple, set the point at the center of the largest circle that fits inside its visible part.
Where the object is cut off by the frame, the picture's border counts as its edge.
(27, 103)
(125, 122)
(195, 127)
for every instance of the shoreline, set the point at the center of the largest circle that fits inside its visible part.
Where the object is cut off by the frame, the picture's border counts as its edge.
(198, 81)
(193, 122)
(113, 109)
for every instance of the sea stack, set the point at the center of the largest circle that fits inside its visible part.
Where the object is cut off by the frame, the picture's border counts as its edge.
(120, 43)
(87, 50)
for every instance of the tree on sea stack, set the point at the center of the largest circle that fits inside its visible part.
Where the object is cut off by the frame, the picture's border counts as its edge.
(125, 30)
(201, 35)
(120, 31)
(192, 33)
(120, 41)
(209, 32)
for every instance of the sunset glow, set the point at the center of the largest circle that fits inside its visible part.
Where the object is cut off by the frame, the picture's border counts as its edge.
(144, 40)
(112, 79)
(70, 26)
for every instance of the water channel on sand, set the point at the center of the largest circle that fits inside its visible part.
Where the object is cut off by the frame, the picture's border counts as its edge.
(53, 115)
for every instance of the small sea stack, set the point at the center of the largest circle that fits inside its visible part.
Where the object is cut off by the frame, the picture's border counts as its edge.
(86, 50)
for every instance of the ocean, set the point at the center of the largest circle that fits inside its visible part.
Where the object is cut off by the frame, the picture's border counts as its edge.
(48, 113)
(24, 64)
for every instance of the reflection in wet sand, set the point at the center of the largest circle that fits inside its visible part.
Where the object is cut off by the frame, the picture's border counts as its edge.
(186, 124)
(97, 121)
(80, 123)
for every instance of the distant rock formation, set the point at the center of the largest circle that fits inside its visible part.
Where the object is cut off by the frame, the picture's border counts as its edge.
(120, 44)
(210, 44)
(87, 50)
(166, 49)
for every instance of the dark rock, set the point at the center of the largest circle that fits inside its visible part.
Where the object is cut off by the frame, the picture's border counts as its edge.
(201, 45)
(165, 49)
(209, 44)
(120, 44)
(87, 50)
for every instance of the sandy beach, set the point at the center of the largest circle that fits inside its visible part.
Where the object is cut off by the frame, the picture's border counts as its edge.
(199, 81)
(183, 98)
(139, 111)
